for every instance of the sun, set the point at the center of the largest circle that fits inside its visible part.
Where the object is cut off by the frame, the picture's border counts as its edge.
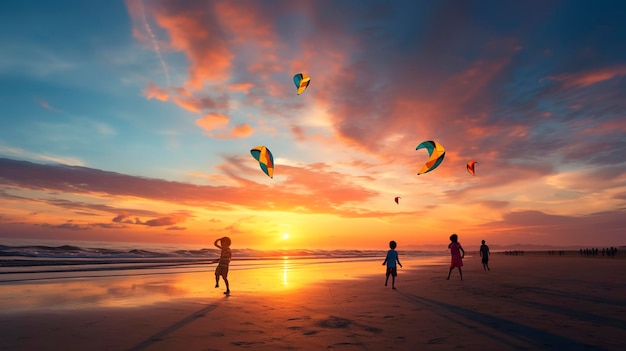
(286, 236)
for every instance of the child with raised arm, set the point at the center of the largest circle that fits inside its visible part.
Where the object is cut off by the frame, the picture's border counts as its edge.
(457, 258)
(223, 262)
(390, 261)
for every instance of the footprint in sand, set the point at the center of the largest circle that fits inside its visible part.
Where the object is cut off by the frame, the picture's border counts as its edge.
(334, 323)
(346, 346)
(246, 343)
(437, 341)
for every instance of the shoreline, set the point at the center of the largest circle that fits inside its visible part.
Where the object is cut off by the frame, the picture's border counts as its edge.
(537, 302)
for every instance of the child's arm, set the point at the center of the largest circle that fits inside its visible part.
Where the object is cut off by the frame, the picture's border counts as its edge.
(385, 261)
(216, 244)
(398, 260)
(463, 251)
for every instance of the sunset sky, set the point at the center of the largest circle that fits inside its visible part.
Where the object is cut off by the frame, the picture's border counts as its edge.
(133, 121)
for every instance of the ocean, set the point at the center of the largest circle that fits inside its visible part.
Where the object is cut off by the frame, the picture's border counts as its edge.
(20, 257)
(48, 275)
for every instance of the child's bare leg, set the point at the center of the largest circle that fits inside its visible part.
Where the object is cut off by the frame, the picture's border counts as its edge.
(386, 279)
(393, 282)
(449, 272)
(227, 286)
(461, 273)
(217, 280)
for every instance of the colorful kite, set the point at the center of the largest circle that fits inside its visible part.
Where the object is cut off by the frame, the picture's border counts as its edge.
(265, 158)
(302, 82)
(436, 152)
(470, 167)
(396, 199)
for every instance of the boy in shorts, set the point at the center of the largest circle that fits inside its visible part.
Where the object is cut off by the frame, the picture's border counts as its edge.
(390, 260)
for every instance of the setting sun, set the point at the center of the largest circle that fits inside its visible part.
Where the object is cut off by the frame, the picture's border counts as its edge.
(286, 236)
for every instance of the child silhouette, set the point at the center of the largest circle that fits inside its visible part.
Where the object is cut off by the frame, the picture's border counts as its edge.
(390, 260)
(455, 251)
(223, 262)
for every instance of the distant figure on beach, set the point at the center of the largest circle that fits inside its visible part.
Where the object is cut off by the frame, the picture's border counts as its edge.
(457, 259)
(390, 261)
(223, 262)
(484, 253)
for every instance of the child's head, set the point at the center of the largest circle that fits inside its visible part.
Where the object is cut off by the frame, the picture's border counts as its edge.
(483, 242)
(454, 238)
(225, 241)
(392, 245)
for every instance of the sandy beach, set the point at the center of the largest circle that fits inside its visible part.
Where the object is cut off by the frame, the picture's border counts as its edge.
(529, 302)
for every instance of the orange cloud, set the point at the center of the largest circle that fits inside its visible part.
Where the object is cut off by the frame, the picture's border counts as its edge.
(154, 91)
(590, 77)
(241, 87)
(246, 22)
(213, 121)
(192, 31)
(238, 131)
(184, 98)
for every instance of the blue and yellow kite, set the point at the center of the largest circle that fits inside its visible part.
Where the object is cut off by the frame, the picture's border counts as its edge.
(436, 153)
(265, 158)
(302, 81)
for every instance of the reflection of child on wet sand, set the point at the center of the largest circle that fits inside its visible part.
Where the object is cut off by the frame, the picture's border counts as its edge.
(455, 251)
(223, 262)
(390, 260)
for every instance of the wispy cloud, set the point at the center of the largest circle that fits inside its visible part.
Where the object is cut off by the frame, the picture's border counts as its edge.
(589, 77)
(137, 10)
(23, 154)
(47, 106)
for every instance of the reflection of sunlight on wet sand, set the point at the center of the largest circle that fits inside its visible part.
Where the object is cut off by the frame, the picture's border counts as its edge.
(285, 269)
(136, 288)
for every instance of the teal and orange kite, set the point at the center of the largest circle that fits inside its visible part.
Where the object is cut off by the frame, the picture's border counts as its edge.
(302, 81)
(265, 158)
(436, 153)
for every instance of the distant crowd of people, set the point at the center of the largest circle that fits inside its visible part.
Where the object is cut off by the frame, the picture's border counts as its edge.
(606, 251)
(554, 252)
(514, 253)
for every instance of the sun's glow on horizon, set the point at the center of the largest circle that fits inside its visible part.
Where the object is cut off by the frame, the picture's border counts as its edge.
(286, 236)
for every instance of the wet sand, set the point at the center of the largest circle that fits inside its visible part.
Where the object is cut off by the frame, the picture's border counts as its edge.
(530, 302)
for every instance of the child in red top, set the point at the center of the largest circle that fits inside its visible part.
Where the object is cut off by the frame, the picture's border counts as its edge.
(457, 258)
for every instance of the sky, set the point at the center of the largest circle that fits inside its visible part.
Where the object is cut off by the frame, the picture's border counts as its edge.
(133, 121)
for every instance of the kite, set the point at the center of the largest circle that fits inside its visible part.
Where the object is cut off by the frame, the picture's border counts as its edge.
(302, 82)
(436, 153)
(396, 199)
(265, 158)
(470, 167)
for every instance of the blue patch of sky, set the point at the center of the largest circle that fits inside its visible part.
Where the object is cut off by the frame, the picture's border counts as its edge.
(80, 58)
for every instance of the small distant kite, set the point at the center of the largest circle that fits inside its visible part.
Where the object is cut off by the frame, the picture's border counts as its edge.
(470, 167)
(302, 81)
(265, 158)
(397, 199)
(436, 153)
